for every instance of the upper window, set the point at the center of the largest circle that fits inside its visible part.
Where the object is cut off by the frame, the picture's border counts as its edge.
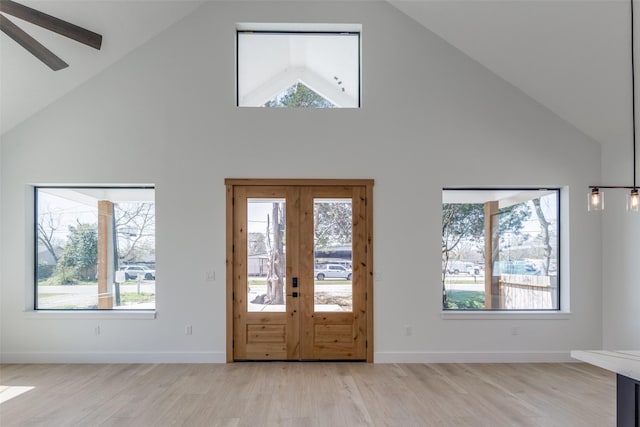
(95, 248)
(298, 69)
(500, 249)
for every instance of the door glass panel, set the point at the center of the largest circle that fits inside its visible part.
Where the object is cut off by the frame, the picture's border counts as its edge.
(266, 260)
(333, 231)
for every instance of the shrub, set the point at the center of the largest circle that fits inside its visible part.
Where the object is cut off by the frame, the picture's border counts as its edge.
(464, 300)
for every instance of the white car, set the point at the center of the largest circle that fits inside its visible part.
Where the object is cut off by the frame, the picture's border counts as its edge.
(457, 267)
(332, 271)
(131, 272)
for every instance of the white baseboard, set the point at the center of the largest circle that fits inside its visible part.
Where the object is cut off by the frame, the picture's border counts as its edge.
(182, 357)
(214, 357)
(474, 357)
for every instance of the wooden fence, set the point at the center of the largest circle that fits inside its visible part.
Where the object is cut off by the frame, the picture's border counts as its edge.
(526, 292)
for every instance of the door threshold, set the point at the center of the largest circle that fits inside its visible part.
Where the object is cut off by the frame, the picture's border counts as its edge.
(301, 361)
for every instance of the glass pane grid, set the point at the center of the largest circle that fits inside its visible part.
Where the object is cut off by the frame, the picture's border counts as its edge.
(68, 237)
(298, 69)
(266, 255)
(518, 230)
(333, 252)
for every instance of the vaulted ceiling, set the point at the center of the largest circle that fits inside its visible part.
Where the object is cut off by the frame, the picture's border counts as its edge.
(27, 85)
(571, 56)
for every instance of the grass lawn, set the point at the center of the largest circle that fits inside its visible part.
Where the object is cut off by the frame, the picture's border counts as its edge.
(263, 282)
(54, 281)
(465, 300)
(464, 279)
(135, 298)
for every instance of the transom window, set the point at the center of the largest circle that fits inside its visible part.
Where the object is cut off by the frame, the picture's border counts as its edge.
(298, 69)
(500, 249)
(95, 248)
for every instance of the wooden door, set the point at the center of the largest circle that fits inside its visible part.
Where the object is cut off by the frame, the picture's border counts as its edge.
(299, 270)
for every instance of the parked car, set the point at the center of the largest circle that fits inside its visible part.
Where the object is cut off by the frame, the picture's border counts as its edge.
(132, 271)
(457, 267)
(521, 267)
(332, 271)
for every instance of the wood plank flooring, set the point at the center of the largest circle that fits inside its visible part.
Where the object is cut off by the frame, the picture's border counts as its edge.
(308, 394)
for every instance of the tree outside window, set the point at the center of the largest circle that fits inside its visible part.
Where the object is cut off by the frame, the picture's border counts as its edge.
(500, 249)
(85, 236)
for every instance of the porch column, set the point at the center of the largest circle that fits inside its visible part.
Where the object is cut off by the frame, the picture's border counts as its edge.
(105, 247)
(491, 296)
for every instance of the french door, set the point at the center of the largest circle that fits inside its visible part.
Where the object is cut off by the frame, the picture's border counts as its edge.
(299, 270)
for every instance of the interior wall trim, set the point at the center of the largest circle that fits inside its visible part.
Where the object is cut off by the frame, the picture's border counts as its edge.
(551, 356)
(115, 357)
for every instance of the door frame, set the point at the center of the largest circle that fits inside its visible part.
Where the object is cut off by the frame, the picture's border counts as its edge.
(232, 183)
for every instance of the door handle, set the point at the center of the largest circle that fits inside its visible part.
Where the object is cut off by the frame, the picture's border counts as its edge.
(294, 284)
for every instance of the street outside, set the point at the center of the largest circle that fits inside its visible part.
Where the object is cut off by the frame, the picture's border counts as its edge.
(86, 296)
(323, 288)
(464, 282)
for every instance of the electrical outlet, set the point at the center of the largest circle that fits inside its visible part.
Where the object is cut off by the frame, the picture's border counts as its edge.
(408, 330)
(515, 330)
(188, 330)
(210, 276)
(96, 330)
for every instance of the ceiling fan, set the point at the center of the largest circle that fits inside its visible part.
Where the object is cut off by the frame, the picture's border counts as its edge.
(49, 22)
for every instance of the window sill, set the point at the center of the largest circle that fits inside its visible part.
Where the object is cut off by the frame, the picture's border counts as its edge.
(499, 315)
(91, 314)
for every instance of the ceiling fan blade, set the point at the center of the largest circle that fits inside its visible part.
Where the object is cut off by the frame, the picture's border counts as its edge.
(31, 44)
(51, 23)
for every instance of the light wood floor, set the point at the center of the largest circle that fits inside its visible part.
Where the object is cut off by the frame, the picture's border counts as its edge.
(309, 394)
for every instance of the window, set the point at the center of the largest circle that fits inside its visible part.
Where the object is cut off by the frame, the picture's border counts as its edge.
(500, 249)
(298, 69)
(94, 248)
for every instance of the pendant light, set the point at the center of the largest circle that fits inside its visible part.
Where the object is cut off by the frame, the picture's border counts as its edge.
(596, 195)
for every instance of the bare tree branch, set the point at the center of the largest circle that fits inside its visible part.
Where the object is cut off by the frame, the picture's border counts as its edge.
(47, 227)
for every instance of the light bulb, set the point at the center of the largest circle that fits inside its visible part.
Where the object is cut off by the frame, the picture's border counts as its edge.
(596, 200)
(633, 201)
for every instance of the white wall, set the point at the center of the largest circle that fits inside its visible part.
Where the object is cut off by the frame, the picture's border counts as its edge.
(1, 249)
(621, 254)
(431, 117)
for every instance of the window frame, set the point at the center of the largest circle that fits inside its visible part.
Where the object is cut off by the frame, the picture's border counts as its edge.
(551, 313)
(127, 313)
(251, 28)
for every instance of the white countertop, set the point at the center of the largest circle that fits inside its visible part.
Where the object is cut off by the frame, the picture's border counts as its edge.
(625, 363)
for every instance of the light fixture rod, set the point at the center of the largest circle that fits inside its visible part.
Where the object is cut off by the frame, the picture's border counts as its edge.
(633, 99)
(596, 197)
